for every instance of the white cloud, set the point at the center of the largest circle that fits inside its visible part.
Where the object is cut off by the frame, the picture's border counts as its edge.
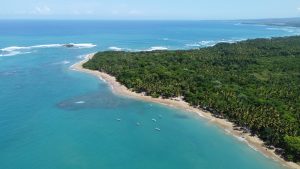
(126, 12)
(115, 12)
(76, 12)
(134, 12)
(89, 12)
(35, 10)
(42, 10)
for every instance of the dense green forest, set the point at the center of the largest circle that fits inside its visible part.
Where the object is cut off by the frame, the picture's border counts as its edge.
(254, 83)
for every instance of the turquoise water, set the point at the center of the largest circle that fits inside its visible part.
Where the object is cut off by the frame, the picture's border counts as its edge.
(52, 117)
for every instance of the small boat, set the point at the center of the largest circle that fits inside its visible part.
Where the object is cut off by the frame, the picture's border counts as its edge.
(118, 119)
(157, 129)
(160, 116)
(138, 124)
(154, 120)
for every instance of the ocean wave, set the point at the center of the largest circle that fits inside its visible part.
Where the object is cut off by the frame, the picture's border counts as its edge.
(238, 24)
(80, 102)
(228, 131)
(286, 29)
(17, 50)
(14, 48)
(9, 53)
(13, 53)
(154, 48)
(65, 62)
(8, 73)
(279, 29)
(47, 46)
(82, 45)
(255, 149)
(210, 43)
(81, 56)
(203, 43)
(114, 48)
(241, 139)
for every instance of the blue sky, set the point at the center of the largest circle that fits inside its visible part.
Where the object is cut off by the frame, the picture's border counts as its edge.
(148, 9)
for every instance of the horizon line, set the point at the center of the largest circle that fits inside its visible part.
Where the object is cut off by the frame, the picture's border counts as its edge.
(77, 19)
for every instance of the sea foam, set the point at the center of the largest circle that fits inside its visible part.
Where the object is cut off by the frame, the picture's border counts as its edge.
(12, 53)
(156, 48)
(210, 43)
(83, 45)
(114, 48)
(80, 102)
(17, 50)
(291, 30)
(202, 44)
(65, 62)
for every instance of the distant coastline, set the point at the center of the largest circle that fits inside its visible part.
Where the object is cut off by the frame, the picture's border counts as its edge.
(253, 141)
(287, 22)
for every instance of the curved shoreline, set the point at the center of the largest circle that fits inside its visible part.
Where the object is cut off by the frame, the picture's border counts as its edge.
(252, 141)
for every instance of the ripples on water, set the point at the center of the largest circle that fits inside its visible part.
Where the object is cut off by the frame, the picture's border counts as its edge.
(94, 100)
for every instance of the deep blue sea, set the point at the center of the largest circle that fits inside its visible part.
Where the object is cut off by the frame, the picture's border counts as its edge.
(52, 117)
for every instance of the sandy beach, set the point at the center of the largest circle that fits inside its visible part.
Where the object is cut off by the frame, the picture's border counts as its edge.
(253, 141)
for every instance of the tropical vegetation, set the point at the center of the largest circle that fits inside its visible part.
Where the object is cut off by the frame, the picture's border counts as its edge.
(253, 83)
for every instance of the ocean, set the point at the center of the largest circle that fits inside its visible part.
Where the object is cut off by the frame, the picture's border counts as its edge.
(52, 117)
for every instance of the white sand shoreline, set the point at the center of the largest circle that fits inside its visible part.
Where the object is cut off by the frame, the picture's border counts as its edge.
(253, 141)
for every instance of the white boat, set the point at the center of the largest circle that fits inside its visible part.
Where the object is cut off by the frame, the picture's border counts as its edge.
(154, 120)
(157, 129)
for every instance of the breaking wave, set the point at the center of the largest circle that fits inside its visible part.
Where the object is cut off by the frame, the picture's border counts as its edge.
(12, 53)
(17, 50)
(210, 43)
(113, 48)
(82, 45)
(156, 48)
(291, 30)
(80, 102)
(65, 62)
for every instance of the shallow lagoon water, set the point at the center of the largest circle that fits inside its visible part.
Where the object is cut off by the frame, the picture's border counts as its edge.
(54, 117)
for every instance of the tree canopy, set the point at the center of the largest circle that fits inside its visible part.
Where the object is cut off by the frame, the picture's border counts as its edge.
(253, 83)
